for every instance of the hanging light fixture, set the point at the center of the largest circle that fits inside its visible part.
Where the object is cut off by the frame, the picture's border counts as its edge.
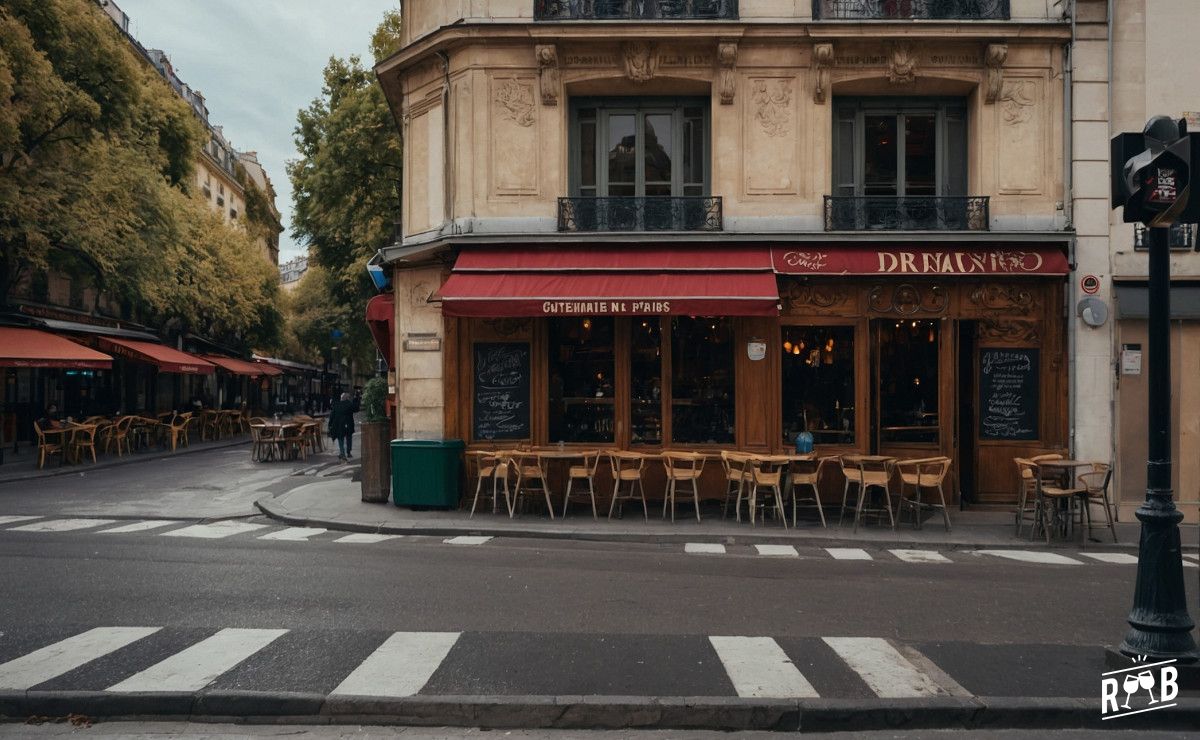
(587, 324)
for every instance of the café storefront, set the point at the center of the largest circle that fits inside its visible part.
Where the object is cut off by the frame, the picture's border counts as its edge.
(910, 351)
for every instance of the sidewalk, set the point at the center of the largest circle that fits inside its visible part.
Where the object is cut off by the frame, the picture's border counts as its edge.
(333, 501)
(22, 465)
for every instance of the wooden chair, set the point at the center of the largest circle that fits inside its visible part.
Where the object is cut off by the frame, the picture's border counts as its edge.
(493, 467)
(264, 442)
(210, 424)
(1056, 496)
(292, 442)
(82, 439)
(1096, 485)
(119, 435)
(737, 476)
(176, 431)
(528, 467)
(866, 475)
(584, 472)
(809, 478)
(768, 474)
(46, 449)
(923, 473)
(682, 467)
(627, 468)
(1028, 505)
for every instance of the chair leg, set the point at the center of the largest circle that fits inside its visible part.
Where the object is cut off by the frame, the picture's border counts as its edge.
(642, 493)
(862, 492)
(667, 499)
(696, 496)
(612, 505)
(780, 511)
(546, 493)
(567, 496)
(592, 493)
(475, 500)
(945, 511)
(1109, 517)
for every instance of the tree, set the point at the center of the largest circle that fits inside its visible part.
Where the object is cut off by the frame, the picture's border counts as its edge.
(313, 317)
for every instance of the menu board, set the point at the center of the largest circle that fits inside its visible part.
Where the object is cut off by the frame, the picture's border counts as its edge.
(1008, 393)
(501, 393)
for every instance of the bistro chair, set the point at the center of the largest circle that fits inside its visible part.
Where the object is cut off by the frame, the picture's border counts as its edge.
(264, 442)
(809, 477)
(491, 466)
(584, 472)
(210, 425)
(82, 439)
(1058, 496)
(119, 435)
(682, 467)
(768, 474)
(737, 476)
(918, 474)
(529, 470)
(292, 442)
(866, 475)
(627, 467)
(1028, 504)
(1096, 485)
(176, 431)
(46, 449)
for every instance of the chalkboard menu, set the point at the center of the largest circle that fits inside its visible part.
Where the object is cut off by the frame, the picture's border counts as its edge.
(1008, 393)
(501, 400)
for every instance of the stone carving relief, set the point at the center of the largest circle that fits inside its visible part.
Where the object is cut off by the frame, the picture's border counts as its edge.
(1016, 101)
(994, 57)
(641, 60)
(514, 101)
(800, 296)
(902, 64)
(822, 61)
(907, 299)
(727, 60)
(1009, 330)
(773, 106)
(548, 76)
(1008, 298)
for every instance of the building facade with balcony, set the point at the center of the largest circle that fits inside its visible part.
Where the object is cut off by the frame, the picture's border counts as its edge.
(714, 224)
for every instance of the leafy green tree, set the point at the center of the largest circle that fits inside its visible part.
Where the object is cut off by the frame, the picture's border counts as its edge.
(313, 314)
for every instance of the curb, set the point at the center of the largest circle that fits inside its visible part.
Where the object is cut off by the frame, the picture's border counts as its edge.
(79, 470)
(599, 712)
(270, 508)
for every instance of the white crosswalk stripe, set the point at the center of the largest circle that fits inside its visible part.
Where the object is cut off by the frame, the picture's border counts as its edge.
(66, 655)
(467, 539)
(883, 668)
(921, 556)
(62, 525)
(138, 527)
(293, 534)
(401, 666)
(848, 553)
(777, 551)
(214, 531)
(703, 548)
(11, 519)
(758, 668)
(366, 538)
(1112, 557)
(195, 667)
(1032, 556)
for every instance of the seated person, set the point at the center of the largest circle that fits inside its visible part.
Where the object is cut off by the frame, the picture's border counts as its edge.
(49, 419)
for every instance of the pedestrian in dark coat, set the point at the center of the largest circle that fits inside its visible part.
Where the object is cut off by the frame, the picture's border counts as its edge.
(341, 425)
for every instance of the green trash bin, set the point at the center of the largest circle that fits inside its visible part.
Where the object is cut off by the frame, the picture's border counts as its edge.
(426, 472)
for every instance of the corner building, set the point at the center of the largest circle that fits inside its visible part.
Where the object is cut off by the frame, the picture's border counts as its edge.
(711, 224)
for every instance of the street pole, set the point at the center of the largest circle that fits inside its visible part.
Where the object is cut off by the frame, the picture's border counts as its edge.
(1160, 627)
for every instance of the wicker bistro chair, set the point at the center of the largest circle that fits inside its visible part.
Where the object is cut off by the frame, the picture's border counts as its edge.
(1027, 504)
(210, 424)
(293, 443)
(809, 477)
(920, 474)
(738, 474)
(682, 467)
(584, 472)
(264, 442)
(529, 470)
(176, 432)
(865, 475)
(82, 438)
(47, 449)
(627, 468)
(493, 467)
(118, 434)
(767, 474)
(1095, 485)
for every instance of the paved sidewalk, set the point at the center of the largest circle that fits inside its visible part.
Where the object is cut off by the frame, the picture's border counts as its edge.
(22, 465)
(333, 501)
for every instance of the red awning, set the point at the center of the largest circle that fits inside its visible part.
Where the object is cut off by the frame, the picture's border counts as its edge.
(615, 281)
(238, 367)
(381, 312)
(38, 349)
(269, 371)
(959, 259)
(167, 359)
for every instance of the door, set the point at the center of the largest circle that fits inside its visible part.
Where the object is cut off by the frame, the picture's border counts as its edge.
(909, 394)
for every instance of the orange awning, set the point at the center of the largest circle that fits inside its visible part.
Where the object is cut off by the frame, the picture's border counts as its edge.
(239, 367)
(32, 348)
(167, 359)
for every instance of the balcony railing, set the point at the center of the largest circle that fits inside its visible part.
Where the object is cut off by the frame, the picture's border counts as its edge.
(890, 10)
(641, 10)
(640, 213)
(909, 213)
(1180, 237)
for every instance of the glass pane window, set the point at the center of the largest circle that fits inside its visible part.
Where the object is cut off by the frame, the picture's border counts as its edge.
(622, 154)
(581, 370)
(908, 381)
(587, 151)
(818, 383)
(645, 384)
(702, 410)
(879, 149)
(920, 154)
(888, 147)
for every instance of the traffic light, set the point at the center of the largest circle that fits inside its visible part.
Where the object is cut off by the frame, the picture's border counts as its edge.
(1151, 173)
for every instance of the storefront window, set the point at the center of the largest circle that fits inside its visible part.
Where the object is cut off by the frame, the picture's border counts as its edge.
(818, 383)
(581, 379)
(908, 381)
(645, 383)
(702, 380)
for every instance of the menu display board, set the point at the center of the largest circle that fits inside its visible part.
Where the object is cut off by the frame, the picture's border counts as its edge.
(501, 392)
(1008, 393)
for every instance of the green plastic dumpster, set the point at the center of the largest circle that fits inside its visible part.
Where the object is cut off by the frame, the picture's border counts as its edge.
(426, 472)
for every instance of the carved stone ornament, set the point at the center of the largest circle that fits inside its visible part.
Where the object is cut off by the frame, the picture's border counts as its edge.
(641, 60)
(994, 57)
(515, 102)
(998, 297)
(1009, 330)
(773, 105)
(727, 60)
(822, 61)
(902, 64)
(798, 296)
(548, 76)
(1016, 102)
(907, 299)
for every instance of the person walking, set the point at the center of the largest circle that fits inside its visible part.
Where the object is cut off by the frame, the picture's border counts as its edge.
(341, 426)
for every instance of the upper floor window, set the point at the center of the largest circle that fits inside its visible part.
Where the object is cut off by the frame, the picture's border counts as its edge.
(911, 9)
(558, 10)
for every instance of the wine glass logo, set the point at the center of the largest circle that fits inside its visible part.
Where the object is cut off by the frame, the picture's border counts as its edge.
(1146, 681)
(1130, 684)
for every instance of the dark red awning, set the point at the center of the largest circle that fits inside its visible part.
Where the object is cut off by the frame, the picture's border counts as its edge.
(240, 367)
(890, 259)
(166, 359)
(381, 312)
(614, 281)
(20, 347)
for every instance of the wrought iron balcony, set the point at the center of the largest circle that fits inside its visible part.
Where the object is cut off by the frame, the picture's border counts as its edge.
(1181, 237)
(910, 213)
(891, 10)
(640, 213)
(641, 10)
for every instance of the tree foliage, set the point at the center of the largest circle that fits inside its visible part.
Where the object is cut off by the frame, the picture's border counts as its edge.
(96, 157)
(314, 314)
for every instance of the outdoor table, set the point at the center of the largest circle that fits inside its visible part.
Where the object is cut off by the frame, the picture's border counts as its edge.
(141, 430)
(277, 428)
(1062, 468)
(562, 458)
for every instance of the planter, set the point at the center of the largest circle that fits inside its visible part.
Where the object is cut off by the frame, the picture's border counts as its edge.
(376, 461)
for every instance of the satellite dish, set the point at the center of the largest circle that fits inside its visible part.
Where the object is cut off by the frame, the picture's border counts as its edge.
(1093, 311)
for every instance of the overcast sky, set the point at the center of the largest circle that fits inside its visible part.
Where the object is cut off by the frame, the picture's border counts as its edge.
(257, 62)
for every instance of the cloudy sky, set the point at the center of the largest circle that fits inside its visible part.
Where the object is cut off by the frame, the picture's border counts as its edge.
(257, 63)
